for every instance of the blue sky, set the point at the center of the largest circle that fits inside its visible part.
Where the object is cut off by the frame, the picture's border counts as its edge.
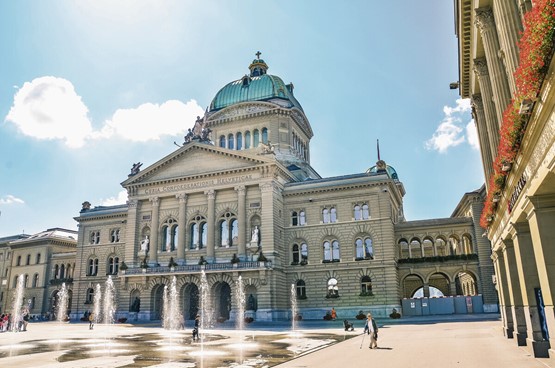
(87, 88)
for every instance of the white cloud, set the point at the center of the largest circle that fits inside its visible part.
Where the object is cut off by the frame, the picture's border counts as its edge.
(472, 135)
(48, 108)
(10, 199)
(120, 198)
(450, 132)
(151, 121)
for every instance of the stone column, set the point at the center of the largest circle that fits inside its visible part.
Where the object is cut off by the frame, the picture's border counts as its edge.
(182, 198)
(242, 220)
(481, 128)
(211, 219)
(492, 125)
(529, 280)
(509, 27)
(131, 241)
(153, 252)
(513, 285)
(502, 288)
(541, 219)
(500, 87)
(426, 290)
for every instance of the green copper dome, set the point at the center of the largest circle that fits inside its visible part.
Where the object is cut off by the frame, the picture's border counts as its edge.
(258, 86)
(382, 167)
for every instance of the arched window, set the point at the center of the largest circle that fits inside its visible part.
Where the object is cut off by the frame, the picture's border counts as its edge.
(301, 289)
(440, 246)
(256, 136)
(26, 281)
(38, 259)
(114, 236)
(56, 271)
(15, 281)
(304, 253)
(229, 230)
(295, 254)
(247, 139)
(230, 141)
(294, 218)
(325, 216)
(33, 301)
(222, 141)
(89, 299)
(28, 262)
(94, 237)
(333, 214)
(62, 271)
(198, 233)
(302, 218)
(357, 212)
(239, 141)
(265, 135)
(333, 288)
(359, 249)
(92, 267)
(169, 235)
(18, 261)
(335, 251)
(35, 280)
(368, 249)
(366, 285)
(113, 265)
(327, 251)
(365, 212)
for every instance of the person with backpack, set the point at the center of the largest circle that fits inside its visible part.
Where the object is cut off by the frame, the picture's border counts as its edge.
(371, 328)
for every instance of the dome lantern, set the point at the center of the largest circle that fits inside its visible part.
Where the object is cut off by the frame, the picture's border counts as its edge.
(258, 67)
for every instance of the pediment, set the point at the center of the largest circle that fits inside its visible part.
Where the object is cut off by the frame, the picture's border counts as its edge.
(195, 160)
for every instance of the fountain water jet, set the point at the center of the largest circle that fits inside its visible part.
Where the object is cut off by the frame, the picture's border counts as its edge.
(240, 322)
(63, 297)
(18, 303)
(172, 317)
(97, 303)
(109, 302)
(294, 310)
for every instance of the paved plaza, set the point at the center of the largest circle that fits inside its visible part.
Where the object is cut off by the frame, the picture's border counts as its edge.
(413, 342)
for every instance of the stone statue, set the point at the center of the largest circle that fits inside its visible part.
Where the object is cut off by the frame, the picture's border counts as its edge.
(144, 244)
(189, 136)
(251, 303)
(136, 168)
(255, 237)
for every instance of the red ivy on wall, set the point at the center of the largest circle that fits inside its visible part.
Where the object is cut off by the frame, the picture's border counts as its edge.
(536, 50)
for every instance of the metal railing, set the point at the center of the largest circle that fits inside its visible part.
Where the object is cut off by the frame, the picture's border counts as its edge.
(191, 269)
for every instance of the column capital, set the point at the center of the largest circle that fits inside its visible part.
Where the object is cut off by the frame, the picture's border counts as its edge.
(182, 197)
(520, 228)
(477, 102)
(132, 203)
(266, 187)
(542, 201)
(240, 189)
(484, 18)
(155, 201)
(481, 67)
(211, 193)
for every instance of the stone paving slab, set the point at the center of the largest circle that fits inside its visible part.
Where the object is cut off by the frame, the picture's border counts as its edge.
(414, 343)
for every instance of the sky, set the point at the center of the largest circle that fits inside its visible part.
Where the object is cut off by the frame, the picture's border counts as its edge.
(87, 88)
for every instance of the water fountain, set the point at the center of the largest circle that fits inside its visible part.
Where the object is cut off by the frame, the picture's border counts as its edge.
(18, 302)
(240, 319)
(97, 304)
(172, 317)
(62, 299)
(109, 302)
(294, 310)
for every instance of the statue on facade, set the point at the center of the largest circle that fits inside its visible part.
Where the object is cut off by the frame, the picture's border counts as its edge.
(144, 244)
(255, 237)
(251, 303)
(136, 306)
(136, 168)
(189, 137)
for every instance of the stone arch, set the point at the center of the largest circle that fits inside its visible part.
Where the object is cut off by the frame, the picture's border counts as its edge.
(403, 246)
(157, 300)
(415, 247)
(135, 300)
(440, 281)
(466, 282)
(454, 244)
(190, 292)
(221, 299)
(411, 283)
(428, 246)
(196, 211)
(441, 246)
(467, 244)
(223, 208)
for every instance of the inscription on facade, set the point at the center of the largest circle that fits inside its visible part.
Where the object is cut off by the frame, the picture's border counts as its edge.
(198, 184)
(516, 193)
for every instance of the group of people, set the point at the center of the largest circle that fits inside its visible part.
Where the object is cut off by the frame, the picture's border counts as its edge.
(7, 322)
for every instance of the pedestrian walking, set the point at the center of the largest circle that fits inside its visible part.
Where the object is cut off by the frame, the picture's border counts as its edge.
(91, 321)
(371, 328)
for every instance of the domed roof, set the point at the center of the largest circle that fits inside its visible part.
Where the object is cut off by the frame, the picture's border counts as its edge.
(382, 167)
(258, 86)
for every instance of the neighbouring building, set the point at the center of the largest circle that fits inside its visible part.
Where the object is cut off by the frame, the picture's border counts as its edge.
(507, 70)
